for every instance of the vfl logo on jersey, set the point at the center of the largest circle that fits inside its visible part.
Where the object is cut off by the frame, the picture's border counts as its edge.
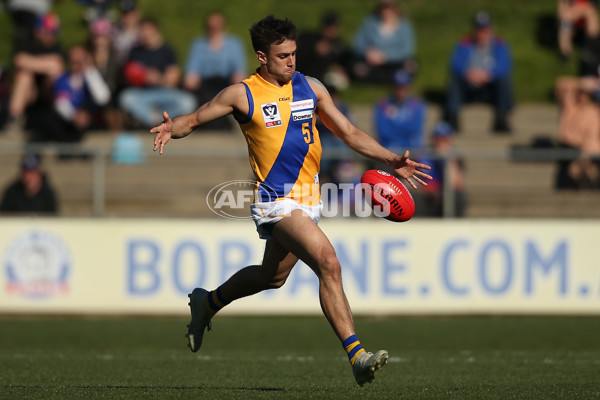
(302, 104)
(302, 115)
(271, 114)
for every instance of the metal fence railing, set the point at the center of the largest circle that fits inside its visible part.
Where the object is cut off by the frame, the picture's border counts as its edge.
(99, 156)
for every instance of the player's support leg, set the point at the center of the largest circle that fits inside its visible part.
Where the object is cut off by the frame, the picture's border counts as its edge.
(271, 274)
(304, 238)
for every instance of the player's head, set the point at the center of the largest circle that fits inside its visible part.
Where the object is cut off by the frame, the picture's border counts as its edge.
(274, 41)
(271, 30)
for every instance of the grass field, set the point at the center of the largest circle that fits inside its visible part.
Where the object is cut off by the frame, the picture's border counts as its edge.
(299, 358)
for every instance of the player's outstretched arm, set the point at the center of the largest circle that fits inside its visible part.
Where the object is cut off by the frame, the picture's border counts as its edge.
(363, 143)
(230, 99)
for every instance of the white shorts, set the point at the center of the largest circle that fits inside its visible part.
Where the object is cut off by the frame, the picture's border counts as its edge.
(266, 214)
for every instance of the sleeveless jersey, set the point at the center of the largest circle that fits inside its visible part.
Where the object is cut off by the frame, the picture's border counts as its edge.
(283, 143)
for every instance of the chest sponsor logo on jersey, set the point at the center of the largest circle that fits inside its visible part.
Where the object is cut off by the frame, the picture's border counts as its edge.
(297, 116)
(302, 105)
(271, 114)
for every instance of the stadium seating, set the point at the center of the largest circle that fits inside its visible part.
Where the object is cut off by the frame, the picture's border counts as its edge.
(177, 183)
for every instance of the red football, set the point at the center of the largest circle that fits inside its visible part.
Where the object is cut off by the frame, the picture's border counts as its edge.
(385, 190)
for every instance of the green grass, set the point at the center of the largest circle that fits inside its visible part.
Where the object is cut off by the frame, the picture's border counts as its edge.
(299, 358)
(439, 24)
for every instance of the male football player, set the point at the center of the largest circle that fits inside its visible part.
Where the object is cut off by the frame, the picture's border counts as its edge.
(276, 109)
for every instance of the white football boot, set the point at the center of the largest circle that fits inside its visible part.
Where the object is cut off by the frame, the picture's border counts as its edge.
(366, 364)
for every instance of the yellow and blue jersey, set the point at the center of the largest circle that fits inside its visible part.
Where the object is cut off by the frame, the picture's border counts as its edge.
(283, 143)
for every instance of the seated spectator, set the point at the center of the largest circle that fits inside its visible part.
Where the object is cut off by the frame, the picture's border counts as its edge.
(445, 165)
(153, 77)
(126, 32)
(579, 129)
(215, 61)
(31, 193)
(589, 55)
(480, 71)
(101, 48)
(575, 18)
(36, 69)
(24, 15)
(332, 145)
(338, 166)
(384, 43)
(5, 82)
(104, 57)
(75, 95)
(323, 54)
(400, 117)
(95, 9)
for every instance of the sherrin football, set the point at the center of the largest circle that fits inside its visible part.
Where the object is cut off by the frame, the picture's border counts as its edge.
(386, 191)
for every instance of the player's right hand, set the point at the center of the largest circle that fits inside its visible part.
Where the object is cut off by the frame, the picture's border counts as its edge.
(163, 133)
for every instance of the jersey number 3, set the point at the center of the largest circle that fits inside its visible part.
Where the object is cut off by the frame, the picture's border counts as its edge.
(307, 132)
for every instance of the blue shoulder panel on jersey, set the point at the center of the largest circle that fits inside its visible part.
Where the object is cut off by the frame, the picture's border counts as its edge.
(289, 161)
(250, 105)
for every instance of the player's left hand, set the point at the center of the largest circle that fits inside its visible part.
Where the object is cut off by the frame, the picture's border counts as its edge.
(163, 132)
(409, 170)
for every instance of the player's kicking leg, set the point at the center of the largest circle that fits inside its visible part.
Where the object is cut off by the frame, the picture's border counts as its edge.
(304, 238)
(271, 274)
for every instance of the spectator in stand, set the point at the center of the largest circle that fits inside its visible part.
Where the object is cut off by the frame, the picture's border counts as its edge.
(589, 56)
(5, 88)
(75, 94)
(104, 57)
(95, 9)
(480, 71)
(102, 50)
(331, 144)
(384, 43)
(400, 117)
(153, 77)
(579, 130)
(126, 33)
(36, 69)
(24, 15)
(446, 165)
(575, 18)
(323, 54)
(338, 166)
(215, 61)
(31, 193)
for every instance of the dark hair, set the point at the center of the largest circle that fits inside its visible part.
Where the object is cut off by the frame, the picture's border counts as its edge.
(271, 30)
(150, 21)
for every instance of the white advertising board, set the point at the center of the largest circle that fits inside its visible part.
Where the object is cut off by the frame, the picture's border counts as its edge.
(88, 266)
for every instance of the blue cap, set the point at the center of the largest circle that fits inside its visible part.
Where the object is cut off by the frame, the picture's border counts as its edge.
(442, 129)
(30, 161)
(402, 78)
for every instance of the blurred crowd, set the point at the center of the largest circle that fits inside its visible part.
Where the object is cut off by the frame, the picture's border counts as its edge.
(124, 73)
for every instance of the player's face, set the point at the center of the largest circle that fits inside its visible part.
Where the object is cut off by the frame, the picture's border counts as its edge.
(281, 60)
